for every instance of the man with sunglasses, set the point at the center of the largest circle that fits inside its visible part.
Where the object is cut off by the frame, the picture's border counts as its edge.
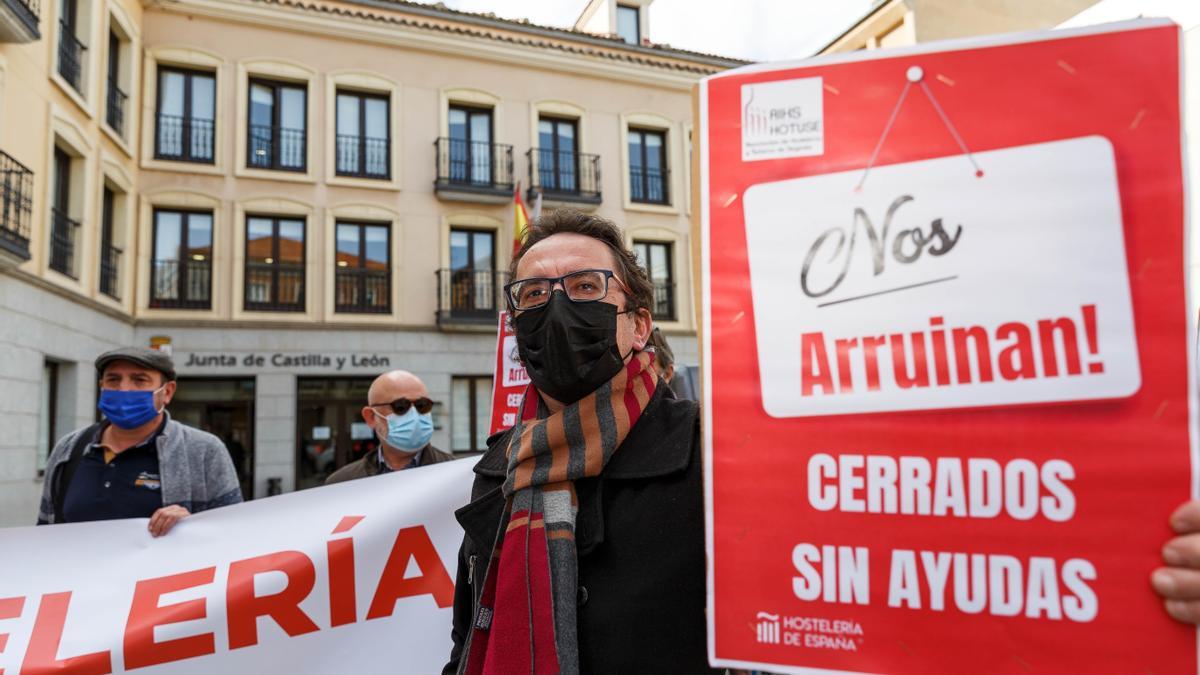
(401, 414)
(584, 542)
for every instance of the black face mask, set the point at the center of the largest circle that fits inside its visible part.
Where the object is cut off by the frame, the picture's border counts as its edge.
(569, 348)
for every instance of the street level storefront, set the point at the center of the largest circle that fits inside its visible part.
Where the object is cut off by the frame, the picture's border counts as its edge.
(299, 393)
(290, 399)
(285, 401)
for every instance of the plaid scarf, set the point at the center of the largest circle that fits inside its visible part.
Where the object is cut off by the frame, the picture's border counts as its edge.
(526, 620)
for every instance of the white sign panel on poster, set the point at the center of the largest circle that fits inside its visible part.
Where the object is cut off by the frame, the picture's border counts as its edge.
(960, 249)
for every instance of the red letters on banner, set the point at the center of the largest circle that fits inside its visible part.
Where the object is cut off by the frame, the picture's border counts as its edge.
(243, 607)
(145, 614)
(42, 654)
(412, 543)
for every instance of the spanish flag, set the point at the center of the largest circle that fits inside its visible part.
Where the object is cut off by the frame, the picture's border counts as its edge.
(520, 219)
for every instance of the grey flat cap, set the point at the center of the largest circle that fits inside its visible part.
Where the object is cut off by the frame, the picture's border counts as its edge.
(149, 358)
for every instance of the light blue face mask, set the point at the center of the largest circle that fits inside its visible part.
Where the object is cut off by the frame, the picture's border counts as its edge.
(409, 432)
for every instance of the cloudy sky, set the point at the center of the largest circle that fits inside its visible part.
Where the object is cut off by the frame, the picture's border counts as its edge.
(759, 30)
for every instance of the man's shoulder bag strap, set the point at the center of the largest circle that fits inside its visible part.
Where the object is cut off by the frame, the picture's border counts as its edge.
(62, 477)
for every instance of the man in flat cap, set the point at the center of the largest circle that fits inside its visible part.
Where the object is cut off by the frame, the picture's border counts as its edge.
(137, 462)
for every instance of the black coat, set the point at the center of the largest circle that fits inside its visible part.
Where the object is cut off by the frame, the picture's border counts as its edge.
(640, 539)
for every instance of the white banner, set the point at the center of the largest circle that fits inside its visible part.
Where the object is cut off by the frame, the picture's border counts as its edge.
(356, 577)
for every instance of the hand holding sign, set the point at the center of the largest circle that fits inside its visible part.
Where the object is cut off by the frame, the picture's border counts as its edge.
(1179, 582)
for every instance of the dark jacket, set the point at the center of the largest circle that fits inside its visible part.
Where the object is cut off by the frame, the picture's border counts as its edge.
(368, 465)
(640, 539)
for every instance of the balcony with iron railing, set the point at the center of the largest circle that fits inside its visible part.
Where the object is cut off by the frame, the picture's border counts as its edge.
(648, 186)
(364, 157)
(64, 233)
(181, 284)
(564, 176)
(359, 290)
(115, 111)
(473, 171)
(276, 148)
(664, 301)
(469, 298)
(274, 287)
(184, 139)
(110, 270)
(19, 20)
(16, 211)
(71, 53)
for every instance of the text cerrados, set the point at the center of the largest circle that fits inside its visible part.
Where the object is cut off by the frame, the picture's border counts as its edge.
(976, 487)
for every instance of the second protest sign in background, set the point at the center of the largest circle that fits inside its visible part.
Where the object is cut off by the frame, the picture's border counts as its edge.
(949, 391)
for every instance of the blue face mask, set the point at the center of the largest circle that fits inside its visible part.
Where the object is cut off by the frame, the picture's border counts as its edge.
(409, 432)
(128, 409)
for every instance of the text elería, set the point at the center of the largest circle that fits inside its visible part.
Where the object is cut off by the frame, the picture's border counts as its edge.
(236, 605)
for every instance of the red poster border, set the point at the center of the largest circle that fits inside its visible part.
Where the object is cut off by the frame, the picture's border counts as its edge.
(706, 274)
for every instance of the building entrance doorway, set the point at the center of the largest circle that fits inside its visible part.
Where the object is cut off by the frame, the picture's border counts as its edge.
(330, 429)
(224, 408)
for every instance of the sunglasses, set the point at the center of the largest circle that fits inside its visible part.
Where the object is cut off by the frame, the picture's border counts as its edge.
(401, 405)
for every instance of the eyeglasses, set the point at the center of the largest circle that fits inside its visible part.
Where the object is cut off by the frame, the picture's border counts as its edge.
(401, 405)
(581, 286)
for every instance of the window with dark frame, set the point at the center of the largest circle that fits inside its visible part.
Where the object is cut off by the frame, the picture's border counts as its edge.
(47, 414)
(648, 166)
(471, 149)
(473, 283)
(363, 135)
(64, 231)
(276, 136)
(110, 255)
(117, 99)
(470, 412)
(363, 272)
(655, 257)
(181, 270)
(70, 49)
(186, 122)
(628, 24)
(558, 157)
(274, 275)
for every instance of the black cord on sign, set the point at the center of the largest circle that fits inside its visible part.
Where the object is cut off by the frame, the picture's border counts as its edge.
(916, 75)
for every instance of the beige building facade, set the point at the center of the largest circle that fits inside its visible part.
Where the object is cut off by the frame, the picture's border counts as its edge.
(295, 196)
(897, 23)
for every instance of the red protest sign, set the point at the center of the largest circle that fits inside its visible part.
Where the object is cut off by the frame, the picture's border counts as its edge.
(510, 380)
(949, 382)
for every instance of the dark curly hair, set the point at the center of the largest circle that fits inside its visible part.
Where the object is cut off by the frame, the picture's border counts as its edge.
(641, 290)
